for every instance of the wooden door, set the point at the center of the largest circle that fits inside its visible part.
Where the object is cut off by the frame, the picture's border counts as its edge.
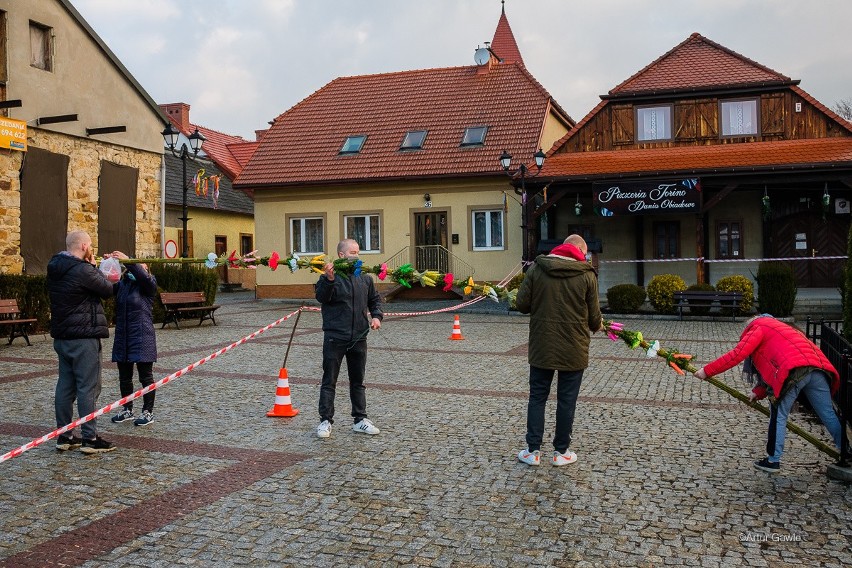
(430, 241)
(222, 248)
(806, 234)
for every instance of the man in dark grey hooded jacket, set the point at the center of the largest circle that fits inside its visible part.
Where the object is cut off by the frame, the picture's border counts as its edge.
(77, 325)
(560, 292)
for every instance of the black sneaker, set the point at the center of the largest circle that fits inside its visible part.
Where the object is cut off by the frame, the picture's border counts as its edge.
(766, 465)
(97, 446)
(65, 443)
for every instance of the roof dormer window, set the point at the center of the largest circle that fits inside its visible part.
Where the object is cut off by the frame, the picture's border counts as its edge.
(353, 144)
(413, 140)
(474, 136)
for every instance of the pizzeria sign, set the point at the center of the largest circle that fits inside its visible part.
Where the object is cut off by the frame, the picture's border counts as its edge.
(647, 198)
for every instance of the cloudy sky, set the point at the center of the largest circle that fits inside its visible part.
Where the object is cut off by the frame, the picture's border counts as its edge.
(241, 63)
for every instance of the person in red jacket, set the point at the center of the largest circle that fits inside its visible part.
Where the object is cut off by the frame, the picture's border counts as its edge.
(787, 363)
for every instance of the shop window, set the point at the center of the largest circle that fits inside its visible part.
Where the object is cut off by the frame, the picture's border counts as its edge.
(306, 235)
(739, 118)
(487, 229)
(41, 43)
(653, 123)
(729, 239)
(667, 239)
(364, 230)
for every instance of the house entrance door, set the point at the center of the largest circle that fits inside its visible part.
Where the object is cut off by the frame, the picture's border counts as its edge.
(430, 241)
(806, 234)
(222, 248)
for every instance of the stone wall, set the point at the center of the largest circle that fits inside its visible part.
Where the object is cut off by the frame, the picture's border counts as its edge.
(83, 172)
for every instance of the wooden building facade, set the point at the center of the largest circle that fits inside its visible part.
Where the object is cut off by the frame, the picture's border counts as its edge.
(702, 164)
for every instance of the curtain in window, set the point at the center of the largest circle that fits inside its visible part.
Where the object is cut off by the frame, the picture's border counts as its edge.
(38, 47)
(739, 117)
(375, 244)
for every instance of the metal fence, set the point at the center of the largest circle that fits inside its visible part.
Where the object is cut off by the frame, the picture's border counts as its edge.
(828, 335)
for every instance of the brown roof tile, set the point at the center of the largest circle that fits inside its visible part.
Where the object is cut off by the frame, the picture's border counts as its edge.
(698, 63)
(827, 152)
(303, 143)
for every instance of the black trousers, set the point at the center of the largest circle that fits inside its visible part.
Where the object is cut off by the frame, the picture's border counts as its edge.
(567, 390)
(333, 352)
(146, 377)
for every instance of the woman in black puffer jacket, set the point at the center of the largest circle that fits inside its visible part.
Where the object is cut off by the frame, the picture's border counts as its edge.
(135, 341)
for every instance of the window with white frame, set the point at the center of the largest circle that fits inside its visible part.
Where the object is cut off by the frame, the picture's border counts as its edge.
(654, 123)
(40, 46)
(739, 118)
(306, 234)
(365, 230)
(487, 229)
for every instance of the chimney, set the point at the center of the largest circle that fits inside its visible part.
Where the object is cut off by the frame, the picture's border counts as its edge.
(179, 113)
(259, 134)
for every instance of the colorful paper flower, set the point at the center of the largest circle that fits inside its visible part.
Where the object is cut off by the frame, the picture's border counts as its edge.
(383, 271)
(273, 260)
(448, 282)
(211, 261)
(293, 262)
(469, 287)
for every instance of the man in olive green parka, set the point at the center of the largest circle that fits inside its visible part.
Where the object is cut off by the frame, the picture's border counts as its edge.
(560, 292)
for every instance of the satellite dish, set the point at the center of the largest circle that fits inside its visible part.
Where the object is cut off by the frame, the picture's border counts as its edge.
(481, 56)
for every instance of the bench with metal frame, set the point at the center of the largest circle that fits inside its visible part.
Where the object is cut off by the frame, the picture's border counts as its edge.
(10, 316)
(706, 299)
(181, 303)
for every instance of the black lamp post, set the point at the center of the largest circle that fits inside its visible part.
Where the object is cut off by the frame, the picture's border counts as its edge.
(196, 139)
(506, 162)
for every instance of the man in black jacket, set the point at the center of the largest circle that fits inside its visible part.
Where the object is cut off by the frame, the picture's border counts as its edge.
(77, 325)
(351, 307)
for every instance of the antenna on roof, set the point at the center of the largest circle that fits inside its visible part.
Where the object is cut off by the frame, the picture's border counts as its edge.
(482, 54)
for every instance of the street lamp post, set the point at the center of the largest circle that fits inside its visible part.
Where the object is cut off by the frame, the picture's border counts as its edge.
(196, 140)
(522, 170)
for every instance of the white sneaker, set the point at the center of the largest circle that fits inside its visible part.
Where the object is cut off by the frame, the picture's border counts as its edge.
(530, 458)
(324, 429)
(366, 427)
(564, 459)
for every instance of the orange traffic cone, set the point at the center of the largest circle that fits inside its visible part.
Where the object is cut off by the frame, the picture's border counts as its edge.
(456, 330)
(283, 406)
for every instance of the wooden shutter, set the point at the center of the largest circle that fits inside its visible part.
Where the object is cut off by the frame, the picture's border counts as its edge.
(772, 115)
(44, 208)
(684, 120)
(117, 208)
(622, 124)
(707, 119)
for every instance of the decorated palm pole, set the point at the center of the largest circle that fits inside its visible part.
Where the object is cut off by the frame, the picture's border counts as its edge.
(682, 364)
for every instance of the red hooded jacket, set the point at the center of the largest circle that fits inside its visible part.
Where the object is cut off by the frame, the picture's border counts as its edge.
(775, 348)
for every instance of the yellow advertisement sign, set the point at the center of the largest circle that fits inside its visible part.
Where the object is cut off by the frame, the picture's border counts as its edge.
(13, 134)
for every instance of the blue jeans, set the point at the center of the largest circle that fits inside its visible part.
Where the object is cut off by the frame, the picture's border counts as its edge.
(567, 390)
(79, 378)
(816, 387)
(333, 352)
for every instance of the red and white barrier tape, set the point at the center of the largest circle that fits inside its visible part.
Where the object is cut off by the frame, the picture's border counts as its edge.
(37, 442)
(701, 258)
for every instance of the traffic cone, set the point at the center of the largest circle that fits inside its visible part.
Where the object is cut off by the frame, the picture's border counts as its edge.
(283, 406)
(456, 330)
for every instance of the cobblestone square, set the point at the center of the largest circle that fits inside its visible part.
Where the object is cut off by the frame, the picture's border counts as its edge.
(664, 475)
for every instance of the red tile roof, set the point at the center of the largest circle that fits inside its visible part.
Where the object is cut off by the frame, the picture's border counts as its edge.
(810, 153)
(216, 146)
(699, 63)
(504, 44)
(303, 143)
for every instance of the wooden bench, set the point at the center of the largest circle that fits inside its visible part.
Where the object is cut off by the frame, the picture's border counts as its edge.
(180, 303)
(706, 299)
(10, 316)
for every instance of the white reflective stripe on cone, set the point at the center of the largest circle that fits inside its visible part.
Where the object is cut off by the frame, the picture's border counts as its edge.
(282, 399)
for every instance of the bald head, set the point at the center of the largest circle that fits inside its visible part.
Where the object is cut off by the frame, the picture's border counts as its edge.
(77, 243)
(578, 242)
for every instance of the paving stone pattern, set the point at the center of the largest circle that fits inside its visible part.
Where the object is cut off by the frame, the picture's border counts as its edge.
(664, 475)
